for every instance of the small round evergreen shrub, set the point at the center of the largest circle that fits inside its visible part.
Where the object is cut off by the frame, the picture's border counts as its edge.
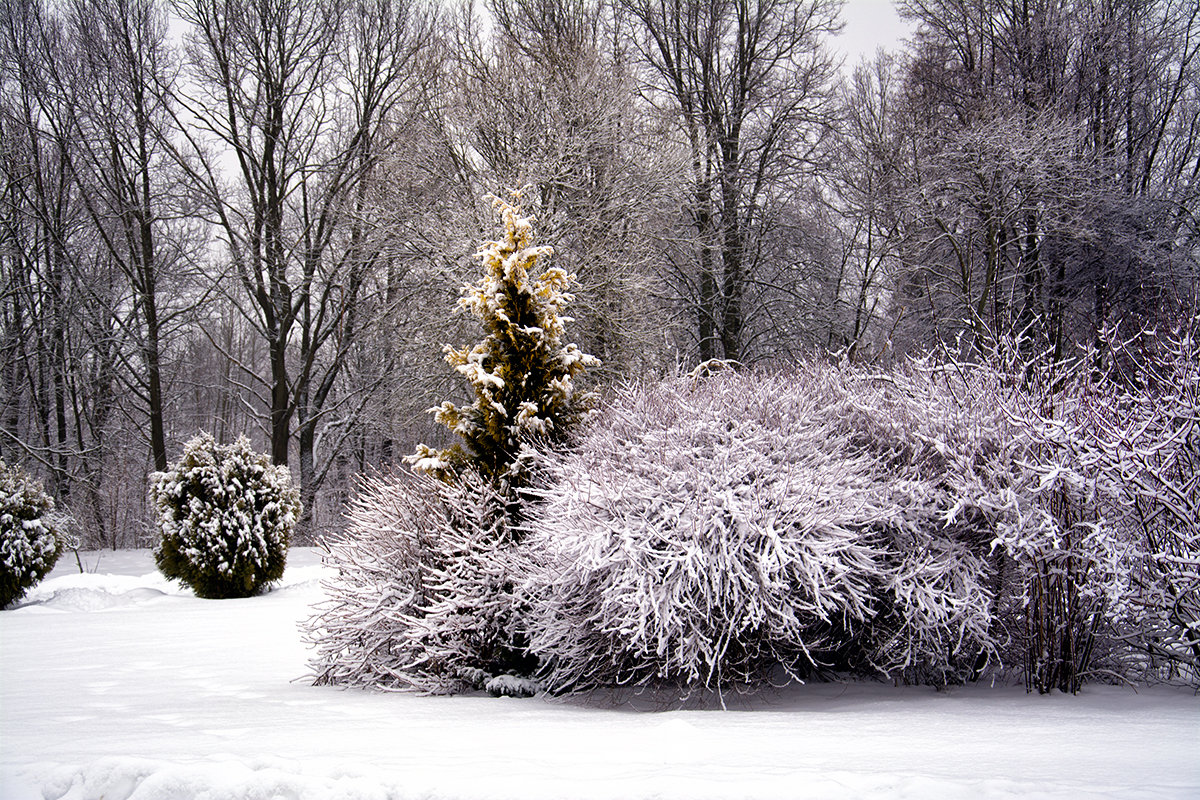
(226, 514)
(31, 533)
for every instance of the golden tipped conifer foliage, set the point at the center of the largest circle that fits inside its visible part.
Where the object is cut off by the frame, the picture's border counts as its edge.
(521, 373)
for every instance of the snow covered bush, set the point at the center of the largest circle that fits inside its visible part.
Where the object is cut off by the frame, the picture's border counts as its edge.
(711, 532)
(225, 514)
(423, 596)
(934, 523)
(32, 534)
(1118, 453)
(1095, 506)
(986, 437)
(1053, 530)
(1148, 443)
(522, 375)
(945, 451)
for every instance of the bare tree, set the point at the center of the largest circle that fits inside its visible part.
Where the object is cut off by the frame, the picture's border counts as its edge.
(298, 101)
(749, 85)
(1114, 82)
(868, 163)
(120, 162)
(548, 101)
(981, 195)
(40, 217)
(64, 339)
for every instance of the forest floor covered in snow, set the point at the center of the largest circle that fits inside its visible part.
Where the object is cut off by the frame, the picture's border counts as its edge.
(116, 684)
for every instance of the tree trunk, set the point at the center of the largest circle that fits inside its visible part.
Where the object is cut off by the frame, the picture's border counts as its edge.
(149, 268)
(706, 306)
(731, 253)
(281, 408)
(306, 434)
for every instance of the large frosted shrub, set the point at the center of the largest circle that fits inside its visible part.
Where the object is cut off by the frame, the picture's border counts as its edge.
(423, 597)
(970, 436)
(936, 523)
(32, 534)
(225, 514)
(1087, 483)
(710, 532)
(1052, 528)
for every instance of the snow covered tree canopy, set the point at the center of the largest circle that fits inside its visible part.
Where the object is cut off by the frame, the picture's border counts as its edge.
(521, 373)
(31, 533)
(226, 514)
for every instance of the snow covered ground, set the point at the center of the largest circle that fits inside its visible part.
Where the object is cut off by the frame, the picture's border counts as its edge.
(118, 685)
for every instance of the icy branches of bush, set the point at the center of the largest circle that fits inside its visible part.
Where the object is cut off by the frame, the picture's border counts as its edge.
(32, 533)
(709, 533)
(1127, 442)
(423, 597)
(929, 524)
(1149, 446)
(225, 514)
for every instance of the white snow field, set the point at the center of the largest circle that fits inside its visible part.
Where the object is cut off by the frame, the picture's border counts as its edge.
(118, 685)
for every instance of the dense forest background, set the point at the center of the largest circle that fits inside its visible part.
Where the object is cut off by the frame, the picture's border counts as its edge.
(255, 216)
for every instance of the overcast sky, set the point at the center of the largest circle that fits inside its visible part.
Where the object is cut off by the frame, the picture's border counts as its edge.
(869, 24)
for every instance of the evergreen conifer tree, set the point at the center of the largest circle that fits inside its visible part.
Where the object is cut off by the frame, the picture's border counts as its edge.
(226, 515)
(32, 534)
(521, 373)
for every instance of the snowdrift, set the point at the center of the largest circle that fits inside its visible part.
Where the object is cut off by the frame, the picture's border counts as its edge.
(117, 684)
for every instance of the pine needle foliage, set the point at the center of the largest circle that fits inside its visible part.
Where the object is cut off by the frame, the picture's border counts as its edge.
(226, 514)
(32, 533)
(521, 374)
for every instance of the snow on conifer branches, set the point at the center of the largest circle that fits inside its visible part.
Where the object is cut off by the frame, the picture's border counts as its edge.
(225, 514)
(425, 595)
(32, 533)
(522, 375)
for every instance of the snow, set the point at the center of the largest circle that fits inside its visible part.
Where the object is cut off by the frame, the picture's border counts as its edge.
(119, 685)
(511, 686)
